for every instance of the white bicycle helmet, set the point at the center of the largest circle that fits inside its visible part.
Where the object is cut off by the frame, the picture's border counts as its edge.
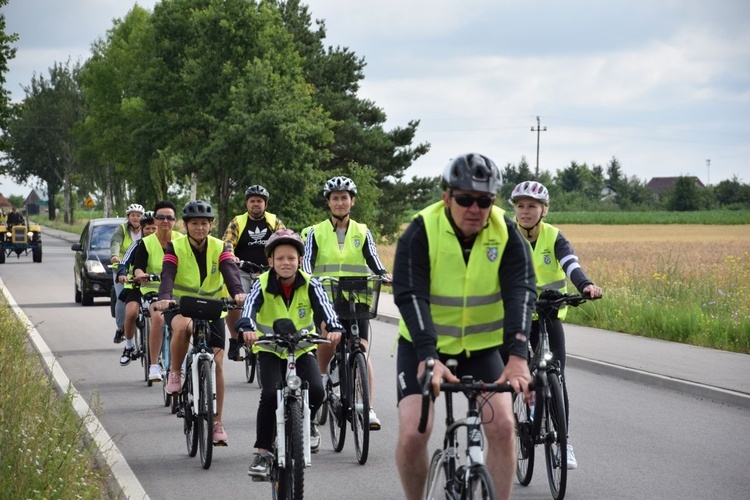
(530, 189)
(340, 183)
(135, 207)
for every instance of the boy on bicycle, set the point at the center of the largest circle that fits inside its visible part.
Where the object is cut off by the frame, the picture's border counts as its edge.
(285, 292)
(198, 265)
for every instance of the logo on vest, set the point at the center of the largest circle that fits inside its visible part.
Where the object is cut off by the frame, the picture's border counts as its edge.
(492, 254)
(547, 259)
(213, 268)
(357, 242)
(302, 313)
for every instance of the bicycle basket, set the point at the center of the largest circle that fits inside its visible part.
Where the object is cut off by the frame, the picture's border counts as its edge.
(201, 308)
(364, 292)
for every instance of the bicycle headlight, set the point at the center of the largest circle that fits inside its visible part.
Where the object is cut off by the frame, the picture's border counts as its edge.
(548, 356)
(294, 382)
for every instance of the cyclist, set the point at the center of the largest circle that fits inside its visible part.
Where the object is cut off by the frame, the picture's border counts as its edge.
(122, 238)
(464, 284)
(131, 297)
(554, 261)
(247, 235)
(340, 246)
(198, 265)
(285, 292)
(147, 259)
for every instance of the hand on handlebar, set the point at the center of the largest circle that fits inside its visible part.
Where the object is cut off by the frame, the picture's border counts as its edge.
(593, 291)
(516, 373)
(440, 372)
(333, 337)
(162, 305)
(249, 337)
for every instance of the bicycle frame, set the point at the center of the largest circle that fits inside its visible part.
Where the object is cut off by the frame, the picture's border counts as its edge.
(201, 351)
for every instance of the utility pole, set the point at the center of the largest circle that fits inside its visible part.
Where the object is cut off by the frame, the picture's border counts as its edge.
(708, 172)
(538, 131)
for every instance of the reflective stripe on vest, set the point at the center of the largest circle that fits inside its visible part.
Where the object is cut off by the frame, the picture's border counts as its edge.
(465, 301)
(155, 259)
(549, 273)
(330, 261)
(300, 312)
(187, 281)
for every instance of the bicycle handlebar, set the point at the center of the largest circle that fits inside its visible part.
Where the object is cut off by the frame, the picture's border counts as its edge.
(150, 278)
(551, 299)
(252, 267)
(371, 277)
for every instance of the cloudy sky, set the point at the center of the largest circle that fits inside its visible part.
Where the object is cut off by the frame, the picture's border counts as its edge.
(662, 85)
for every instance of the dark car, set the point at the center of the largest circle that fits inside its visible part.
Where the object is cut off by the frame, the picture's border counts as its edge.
(92, 276)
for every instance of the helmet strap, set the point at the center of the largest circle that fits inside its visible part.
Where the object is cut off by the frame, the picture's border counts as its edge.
(341, 218)
(198, 244)
(530, 229)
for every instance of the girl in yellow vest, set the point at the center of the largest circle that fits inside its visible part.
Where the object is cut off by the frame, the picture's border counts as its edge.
(122, 238)
(341, 246)
(198, 265)
(285, 292)
(555, 262)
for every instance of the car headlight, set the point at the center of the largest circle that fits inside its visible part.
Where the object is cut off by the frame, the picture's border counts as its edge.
(94, 266)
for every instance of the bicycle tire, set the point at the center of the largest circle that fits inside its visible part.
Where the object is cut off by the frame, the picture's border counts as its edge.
(480, 484)
(146, 350)
(337, 415)
(321, 417)
(360, 398)
(556, 443)
(190, 424)
(524, 441)
(206, 412)
(437, 477)
(292, 477)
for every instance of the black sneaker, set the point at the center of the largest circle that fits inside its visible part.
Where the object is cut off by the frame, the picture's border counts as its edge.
(119, 336)
(234, 350)
(127, 356)
(261, 466)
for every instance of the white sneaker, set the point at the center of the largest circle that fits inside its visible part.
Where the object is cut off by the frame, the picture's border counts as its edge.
(374, 421)
(572, 463)
(314, 438)
(154, 373)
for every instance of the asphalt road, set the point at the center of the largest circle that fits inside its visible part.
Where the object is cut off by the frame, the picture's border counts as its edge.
(631, 440)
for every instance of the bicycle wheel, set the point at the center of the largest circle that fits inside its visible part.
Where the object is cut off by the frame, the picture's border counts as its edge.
(436, 477)
(206, 412)
(190, 424)
(250, 366)
(360, 383)
(292, 477)
(524, 441)
(556, 441)
(336, 414)
(321, 417)
(145, 350)
(480, 484)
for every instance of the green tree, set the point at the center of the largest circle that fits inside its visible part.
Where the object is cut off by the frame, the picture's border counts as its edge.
(42, 140)
(684, 196)
(732, 194)
(7, 52)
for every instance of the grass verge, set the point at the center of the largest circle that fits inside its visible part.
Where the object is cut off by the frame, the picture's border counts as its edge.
(44, 450)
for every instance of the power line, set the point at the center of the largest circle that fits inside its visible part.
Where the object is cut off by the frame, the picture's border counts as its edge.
(538, 131)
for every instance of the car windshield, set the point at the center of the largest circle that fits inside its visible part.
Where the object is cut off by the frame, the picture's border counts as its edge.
(101, 236)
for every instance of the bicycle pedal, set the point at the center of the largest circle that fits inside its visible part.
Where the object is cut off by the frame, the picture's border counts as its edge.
(257, 479)
(221, 443)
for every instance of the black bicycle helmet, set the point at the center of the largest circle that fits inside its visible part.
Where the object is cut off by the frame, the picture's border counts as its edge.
(257, 190)
(147, 218)
(197, 209)
(340, 183)
(472, 172)
(284, 237)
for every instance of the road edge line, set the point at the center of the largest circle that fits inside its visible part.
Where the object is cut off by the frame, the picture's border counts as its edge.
(130, 486)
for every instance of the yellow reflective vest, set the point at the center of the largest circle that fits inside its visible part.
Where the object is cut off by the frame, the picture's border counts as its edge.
(330, 261)
(300, 311)
(549, 273)
(188, 278)
(465, 299)
(155, 258)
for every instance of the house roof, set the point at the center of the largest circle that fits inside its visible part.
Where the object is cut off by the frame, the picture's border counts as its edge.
(4, 203)
(658, 185)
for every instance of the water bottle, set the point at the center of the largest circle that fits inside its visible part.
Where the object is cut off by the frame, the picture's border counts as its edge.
(333, 371)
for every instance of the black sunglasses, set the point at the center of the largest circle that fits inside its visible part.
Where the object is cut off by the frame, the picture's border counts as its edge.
(467, 200)
(163, 217)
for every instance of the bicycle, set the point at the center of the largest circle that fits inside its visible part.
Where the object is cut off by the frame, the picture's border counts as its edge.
(197, 399)
(548, 425)
(143, 327)
(291, 448)
(251, 366)
(348, 390)
(448, 478)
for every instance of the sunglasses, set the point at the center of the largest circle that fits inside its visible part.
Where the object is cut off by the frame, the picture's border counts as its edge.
(164, 217)
(467, 200)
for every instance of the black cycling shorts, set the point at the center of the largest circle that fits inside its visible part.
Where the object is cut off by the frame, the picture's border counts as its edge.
(217, 335)
(485, 365)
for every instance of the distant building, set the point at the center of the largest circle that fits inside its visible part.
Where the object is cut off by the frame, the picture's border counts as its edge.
(32, 203)
(657, 185)
(5, 205)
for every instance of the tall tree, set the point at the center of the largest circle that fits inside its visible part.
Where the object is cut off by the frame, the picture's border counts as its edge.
(43, 143)
(7, 52)
(684, 196)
